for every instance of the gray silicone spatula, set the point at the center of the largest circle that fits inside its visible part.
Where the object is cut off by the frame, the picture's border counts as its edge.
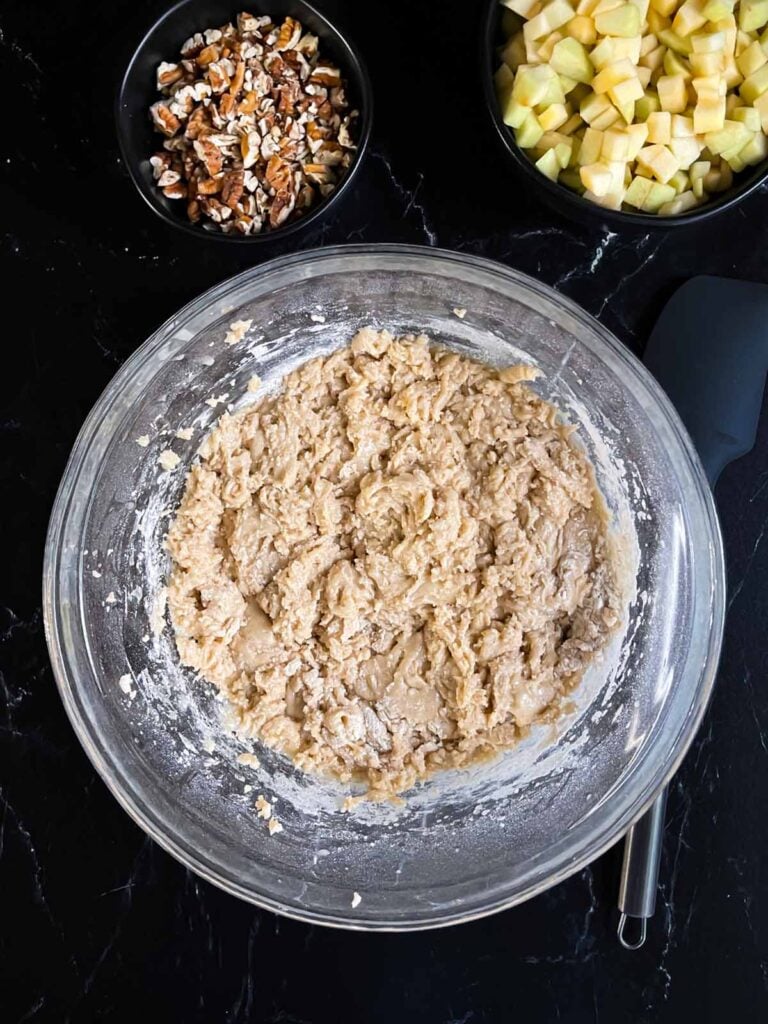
(709, 351)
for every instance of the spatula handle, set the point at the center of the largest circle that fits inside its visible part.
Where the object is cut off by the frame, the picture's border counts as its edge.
(709, 351)
(640, 873)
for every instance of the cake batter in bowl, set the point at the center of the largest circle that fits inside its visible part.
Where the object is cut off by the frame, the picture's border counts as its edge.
(467, 841)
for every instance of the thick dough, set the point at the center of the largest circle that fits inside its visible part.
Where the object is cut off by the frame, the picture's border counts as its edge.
(394, 565)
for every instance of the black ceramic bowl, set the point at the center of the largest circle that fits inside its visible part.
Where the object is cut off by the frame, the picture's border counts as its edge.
(138, 139)
(571, 204)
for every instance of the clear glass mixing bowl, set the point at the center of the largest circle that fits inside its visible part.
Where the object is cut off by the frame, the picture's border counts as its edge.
(466, 843)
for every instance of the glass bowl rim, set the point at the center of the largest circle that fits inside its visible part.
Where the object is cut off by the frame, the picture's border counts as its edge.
(171, 839)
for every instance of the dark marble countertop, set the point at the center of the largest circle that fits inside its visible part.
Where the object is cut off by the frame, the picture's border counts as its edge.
(96, 922)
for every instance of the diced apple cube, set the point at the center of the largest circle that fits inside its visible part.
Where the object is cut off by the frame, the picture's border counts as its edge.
(529, 132)
(549, 140)
(674, 64)
(755, 151)
(615, 145)
(680, 204)
(593, 106)
(658, 161)
(622, 70)
(646, 106)
(666, 8)
(597, 178)
(570, 58)
(727, 25)
(572, 125)
(623, 97)
(654, 59)
(753, 14)
(553, 116)
(512, 112)
(611, 201)
(591, 147)
(533, 84)
(647, 43)
(673, 95)
(608, 117)
(754, 85)
(705, 64)
(732, 135)
(623, 21)
(716, 10)
(682, 126)
(751, 59)
(644, 77)
(642, 6)
(689, 17)
(548, 165)
(563, 151)
(647, 195)
(556, 14)
(675, 42)
(582, 28)
(638, 136)
(548, 45)
(734, 160)
(531, 47)
(708, 42)
(685, 151)
(522, 7)
(660, 127)
(743, 40)
(610, 50)
(680, 181)
(709, 114)
(712, 85)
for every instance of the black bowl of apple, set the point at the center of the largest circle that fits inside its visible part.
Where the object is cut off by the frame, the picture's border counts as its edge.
(631, 114)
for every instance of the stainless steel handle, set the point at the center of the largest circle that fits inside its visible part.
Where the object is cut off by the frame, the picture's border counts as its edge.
(640, 871)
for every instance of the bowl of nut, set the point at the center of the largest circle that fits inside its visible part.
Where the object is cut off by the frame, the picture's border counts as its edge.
(243, 126)
(630, 112)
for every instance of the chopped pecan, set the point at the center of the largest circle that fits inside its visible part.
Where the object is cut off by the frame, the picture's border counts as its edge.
(196, 124)
(248, 104)
(164, 120)
(250, 144)
(238, 78)
(208, 55)
(278, 174)
(330, 154)
(227, 106)
(217, 76)
(209, 186)
(289, 34)
(175, 191)
(325, 74)
(210, 155)
(281, 208)
(232, 188)
(167, 74)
